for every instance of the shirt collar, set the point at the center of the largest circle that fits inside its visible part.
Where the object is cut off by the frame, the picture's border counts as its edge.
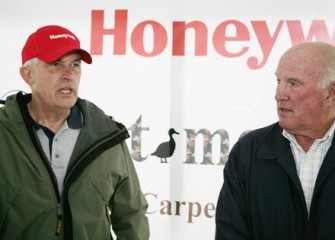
(75, 118)
(329, 134)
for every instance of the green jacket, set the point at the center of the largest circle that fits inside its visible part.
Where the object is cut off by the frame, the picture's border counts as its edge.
(101, 187)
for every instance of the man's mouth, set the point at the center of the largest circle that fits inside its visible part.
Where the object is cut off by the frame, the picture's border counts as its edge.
(284, 110)
(66, 90)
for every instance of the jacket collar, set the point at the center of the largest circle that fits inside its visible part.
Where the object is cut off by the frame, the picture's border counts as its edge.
(276, 147)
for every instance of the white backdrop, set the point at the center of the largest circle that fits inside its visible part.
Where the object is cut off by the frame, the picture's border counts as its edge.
(223, 83)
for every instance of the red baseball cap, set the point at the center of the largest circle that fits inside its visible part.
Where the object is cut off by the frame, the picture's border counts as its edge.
(50, 43)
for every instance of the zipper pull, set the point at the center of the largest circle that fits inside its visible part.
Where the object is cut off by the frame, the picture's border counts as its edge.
(59, 220)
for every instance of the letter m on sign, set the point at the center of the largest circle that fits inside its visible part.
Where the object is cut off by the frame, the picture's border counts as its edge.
(207, 145)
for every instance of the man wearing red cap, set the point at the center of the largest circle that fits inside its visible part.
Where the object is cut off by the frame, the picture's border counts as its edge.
(65, 169)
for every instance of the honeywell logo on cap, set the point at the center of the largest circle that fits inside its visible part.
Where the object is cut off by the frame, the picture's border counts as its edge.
(65, 35)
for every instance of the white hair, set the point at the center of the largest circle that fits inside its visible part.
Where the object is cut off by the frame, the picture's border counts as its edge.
(31, 62)
(328, 76)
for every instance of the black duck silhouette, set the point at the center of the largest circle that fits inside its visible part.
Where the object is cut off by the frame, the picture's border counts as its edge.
(166, 149)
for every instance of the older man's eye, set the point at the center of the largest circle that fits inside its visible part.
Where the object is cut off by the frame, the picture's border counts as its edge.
(294, 84)
(56, 64)
(75, 65)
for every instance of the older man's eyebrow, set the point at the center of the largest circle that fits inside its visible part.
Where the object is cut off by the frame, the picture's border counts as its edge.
(61, 60)
(78, 59)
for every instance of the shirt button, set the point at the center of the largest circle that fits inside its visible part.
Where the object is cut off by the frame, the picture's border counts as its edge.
(56, 156)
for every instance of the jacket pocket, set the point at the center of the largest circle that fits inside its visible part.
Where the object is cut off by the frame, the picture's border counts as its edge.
(105, 186)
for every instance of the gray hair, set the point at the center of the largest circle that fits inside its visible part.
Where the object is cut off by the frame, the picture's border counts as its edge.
(327, 62)
(31, 62)
(328, 76)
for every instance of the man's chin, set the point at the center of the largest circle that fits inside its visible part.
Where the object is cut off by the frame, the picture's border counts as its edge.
(283, 124)
(67, 104)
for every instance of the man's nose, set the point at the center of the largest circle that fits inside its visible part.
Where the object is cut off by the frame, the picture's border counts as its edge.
(281, 92)
(68, 72)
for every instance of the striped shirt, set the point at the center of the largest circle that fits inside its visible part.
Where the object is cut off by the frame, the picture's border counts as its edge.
(308, 163)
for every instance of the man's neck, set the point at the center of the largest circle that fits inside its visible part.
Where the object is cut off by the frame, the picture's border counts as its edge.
(53, 120)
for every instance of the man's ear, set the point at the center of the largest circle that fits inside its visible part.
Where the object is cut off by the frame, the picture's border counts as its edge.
(331, 94)
(26, 74)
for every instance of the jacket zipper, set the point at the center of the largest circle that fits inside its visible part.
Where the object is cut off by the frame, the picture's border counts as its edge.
(59, 216)
(59, 220)
(28, 123)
